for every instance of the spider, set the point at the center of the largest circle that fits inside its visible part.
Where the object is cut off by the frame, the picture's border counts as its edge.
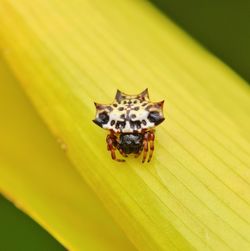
(131, 120)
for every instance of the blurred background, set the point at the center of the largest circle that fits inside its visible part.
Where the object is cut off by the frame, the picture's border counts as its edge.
(220, 26)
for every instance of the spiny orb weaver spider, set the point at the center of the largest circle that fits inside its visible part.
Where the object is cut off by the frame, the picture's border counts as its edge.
(131, 120)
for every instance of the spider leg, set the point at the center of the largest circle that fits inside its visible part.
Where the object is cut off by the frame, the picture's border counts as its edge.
(151, 144)
(139, 153)
(145, 147)
(111, 142)
(122, 152)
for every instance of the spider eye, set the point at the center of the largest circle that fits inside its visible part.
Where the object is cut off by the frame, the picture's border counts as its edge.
(155, 117)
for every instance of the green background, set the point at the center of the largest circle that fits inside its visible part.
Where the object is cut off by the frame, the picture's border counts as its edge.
(18, 232)
(220, 26)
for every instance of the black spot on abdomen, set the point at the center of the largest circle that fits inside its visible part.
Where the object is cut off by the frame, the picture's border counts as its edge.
(102, 119)
(110, 108)
(120, 124)
(135, 124)
(122, 116)
(155, 117)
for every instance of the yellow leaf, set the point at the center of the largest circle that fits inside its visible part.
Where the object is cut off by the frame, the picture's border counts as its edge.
(194, 195)
(39, 179)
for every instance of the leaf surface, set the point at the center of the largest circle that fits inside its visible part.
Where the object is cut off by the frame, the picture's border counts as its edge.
(38, 178)
(194, 195)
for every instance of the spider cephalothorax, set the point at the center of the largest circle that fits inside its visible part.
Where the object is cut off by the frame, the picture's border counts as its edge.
(131, 120)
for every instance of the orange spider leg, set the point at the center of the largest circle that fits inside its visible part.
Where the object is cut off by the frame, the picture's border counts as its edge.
(151, 144)
(111, 140)
(121, 152)
(145, 147)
